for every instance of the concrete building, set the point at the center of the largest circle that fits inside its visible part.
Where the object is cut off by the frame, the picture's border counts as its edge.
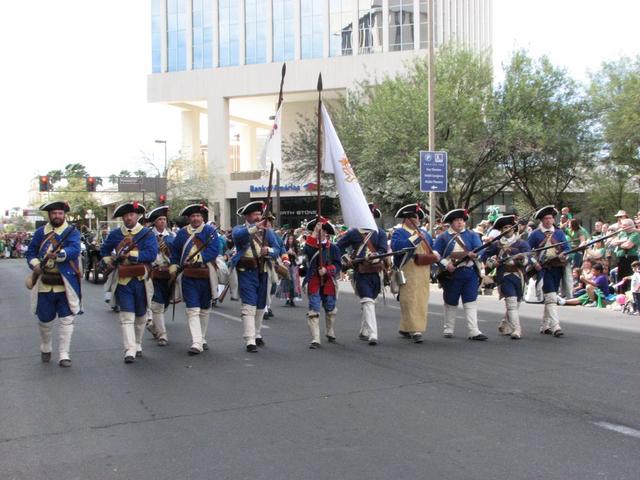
(219, 61)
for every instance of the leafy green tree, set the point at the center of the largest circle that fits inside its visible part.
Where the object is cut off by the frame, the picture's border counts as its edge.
(615, 91)
(542, 126)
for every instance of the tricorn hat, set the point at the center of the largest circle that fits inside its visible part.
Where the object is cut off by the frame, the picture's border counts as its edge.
(544, 211)
(157, 213)
(456, 213)
(255, 206)
(326, 225)
(129, 207)
(200, 208)
(411, 210)
(375, 211)
(55, 205)
(504, 221)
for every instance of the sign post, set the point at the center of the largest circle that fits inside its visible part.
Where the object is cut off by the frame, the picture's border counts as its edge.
(433, 171)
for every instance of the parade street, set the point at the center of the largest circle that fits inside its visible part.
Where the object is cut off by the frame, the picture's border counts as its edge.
(538, 408)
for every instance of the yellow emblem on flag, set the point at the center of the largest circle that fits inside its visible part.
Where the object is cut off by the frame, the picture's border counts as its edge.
(349, 174)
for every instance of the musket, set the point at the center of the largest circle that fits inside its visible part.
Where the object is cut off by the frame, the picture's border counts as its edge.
(54, 252)
(534, 251)
(121, 255)
(198, 250)
(355, 261)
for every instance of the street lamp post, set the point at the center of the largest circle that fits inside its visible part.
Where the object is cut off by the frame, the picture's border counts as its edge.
(164, 172)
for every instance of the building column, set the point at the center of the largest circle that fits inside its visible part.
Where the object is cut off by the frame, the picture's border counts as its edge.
(327, 31)
(164, 61)
(385, 25)
(218, 155)
(269, 31)
(297, 47)
(215, 61)
(355, 24)
(242, 32)
(416, 24)
(189, 34)
(191, 151)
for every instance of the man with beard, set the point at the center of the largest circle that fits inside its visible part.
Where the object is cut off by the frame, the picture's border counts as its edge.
(160, 273)
(257, 248)
(194, 252)
(455, 246)
(361, 244)
(550, 266)
(135, 248)
(511, 273)
(53, 255)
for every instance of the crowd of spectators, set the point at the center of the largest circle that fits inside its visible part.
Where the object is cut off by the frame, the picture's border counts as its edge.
(14, 245)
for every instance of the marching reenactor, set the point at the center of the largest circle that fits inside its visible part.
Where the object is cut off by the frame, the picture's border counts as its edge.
(362, 244)
(162, 286)
(509, 256)
(257, 248)
(53, 255)
(461, 279)
(194, 252)
(135, 249)
(550, 266)
(415, 264)
(321, 279)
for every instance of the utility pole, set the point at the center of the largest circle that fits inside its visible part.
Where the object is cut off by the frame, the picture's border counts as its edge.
(430, 100)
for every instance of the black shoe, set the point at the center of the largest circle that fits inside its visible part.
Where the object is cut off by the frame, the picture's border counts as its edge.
(448, 335)
(269, 312)
(558, 333)
(404, 334)
(193, 351)
(139, 354)
(66, 363)
(205, 346)
(363, 337)
(314, 345)
(331, 339)
(45, 357)
(259, 342)
(129, 359)
(480, 337)
(373, 342)
(417, 338)
(252, 348)
(546, 331)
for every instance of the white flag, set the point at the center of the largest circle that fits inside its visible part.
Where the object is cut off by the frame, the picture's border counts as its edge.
(272, 149)
(355, 209)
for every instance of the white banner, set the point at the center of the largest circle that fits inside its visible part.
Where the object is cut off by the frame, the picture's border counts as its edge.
(272, 149)
(355, 210)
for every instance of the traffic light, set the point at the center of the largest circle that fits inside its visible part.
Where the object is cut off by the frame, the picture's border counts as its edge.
(91, 184)
(45, 186)
(162, 199)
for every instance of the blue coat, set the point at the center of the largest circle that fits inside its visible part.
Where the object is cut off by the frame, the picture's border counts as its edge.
(445, 245)
(353, 239)
(242, 239)
(69, 267)
(401, 238)
(536, 239)
(179, 253)
(519, 246)
(146, 244)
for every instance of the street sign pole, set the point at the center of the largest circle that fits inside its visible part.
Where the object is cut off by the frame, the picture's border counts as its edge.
(430, 100)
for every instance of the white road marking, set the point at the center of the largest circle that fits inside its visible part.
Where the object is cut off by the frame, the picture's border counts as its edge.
(631, 432)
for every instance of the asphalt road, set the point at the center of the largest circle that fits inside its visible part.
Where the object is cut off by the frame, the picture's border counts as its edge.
(539, 408)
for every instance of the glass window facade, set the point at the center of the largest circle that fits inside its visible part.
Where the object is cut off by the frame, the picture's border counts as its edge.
(283, 30)
(229, 32)
(370, 26)
(340, 27)
(401, 25)
(176, 35)
(156, 36)
(202, 18)
(255, 31)
(424, 10)
(311, 28)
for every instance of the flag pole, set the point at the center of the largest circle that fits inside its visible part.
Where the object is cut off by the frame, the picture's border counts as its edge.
(319, 167)
(267, 208)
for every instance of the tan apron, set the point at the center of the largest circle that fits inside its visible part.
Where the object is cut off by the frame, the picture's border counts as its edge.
(414, 295)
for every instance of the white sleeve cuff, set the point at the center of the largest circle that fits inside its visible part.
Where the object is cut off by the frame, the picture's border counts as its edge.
(34, 262)
(62, 256)
(445, 262)
(252, 230)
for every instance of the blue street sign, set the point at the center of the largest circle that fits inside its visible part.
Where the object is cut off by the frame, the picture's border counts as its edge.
(433, 171)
